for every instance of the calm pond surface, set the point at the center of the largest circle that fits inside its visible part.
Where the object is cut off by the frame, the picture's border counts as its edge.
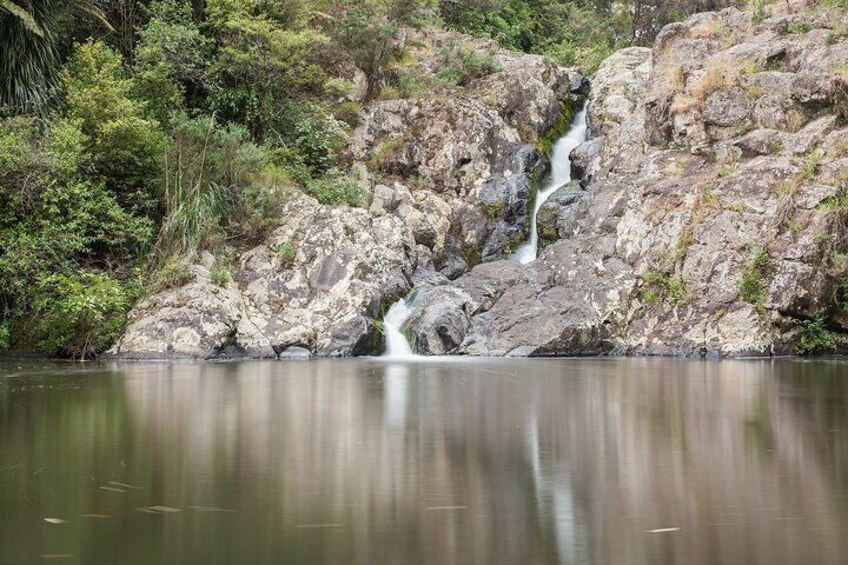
(472, 462)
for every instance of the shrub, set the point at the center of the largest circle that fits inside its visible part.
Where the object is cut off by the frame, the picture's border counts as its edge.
(125, 147)
(756, 276)
(312, 138)
(218, 185)
(220, 274)
(80, 315)
(287, 253)
(173, 274)
(814, 338)
(337, 188)
(349, 113)
(172, 58)
(339, 87)
(385, 153)
(459, 64)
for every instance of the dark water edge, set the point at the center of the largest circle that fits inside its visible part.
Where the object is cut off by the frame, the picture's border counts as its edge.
(597, 461)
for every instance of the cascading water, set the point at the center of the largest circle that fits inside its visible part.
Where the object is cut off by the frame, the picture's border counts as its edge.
(560, 176)
(397, 346)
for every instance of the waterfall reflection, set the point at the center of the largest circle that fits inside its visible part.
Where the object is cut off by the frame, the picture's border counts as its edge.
(465, 462)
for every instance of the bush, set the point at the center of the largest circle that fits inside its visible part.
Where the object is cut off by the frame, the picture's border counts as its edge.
(460, 64)
(814, 338)
(80, 315)
(172, 58)
(349, 113)
(337, 188)
(57, 220)
(125, 147)
(218, 186)
(173, 274)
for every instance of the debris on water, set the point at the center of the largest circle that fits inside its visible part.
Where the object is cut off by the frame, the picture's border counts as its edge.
(55, 521)
(124, 485)
(159, 510)
(211, 509)
(446, 508)
(113, 489)
(663, 531)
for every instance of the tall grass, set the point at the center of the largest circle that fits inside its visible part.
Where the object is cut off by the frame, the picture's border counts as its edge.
(194, 204)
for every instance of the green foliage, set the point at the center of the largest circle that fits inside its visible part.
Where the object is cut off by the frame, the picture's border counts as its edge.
(125, 146)
(29, 58)
(173, 274)
(756, 276)
(385, 153)
(172, 58)
(812, 165)
(814, 338)
(365, 31)
(218, 186)
(80, 315)
(220, 274)
(460, 64)
(287, 253)
(337, 188)
(661, 287)
(56, 221)
(349, 113)
(264, 59)
(761, 12)
(313, 138)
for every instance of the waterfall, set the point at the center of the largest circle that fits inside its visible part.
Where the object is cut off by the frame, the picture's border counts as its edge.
(397, 346)
(560, 176)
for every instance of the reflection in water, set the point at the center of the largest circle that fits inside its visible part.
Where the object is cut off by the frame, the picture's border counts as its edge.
(489, 462)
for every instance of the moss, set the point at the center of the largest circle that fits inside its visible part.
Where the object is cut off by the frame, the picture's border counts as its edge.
(558, 129)
(495, 211)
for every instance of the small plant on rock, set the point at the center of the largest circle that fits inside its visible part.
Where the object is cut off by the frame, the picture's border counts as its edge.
(755, 279)
(661, 287)
(814, 338)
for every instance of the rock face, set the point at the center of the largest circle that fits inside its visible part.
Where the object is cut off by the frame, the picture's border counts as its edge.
(708, 217)
(315, 287)
(451, 177)
(464, 162)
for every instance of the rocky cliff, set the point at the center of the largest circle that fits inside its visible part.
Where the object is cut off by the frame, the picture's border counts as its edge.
(709, 218)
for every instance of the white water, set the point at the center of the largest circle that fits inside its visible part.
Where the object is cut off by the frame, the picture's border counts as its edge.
(560, 176)
(397, 346)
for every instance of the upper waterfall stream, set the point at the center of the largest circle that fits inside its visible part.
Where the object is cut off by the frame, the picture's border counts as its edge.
(560, 176)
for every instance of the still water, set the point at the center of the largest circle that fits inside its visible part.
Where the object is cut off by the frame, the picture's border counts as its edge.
(477, 462)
